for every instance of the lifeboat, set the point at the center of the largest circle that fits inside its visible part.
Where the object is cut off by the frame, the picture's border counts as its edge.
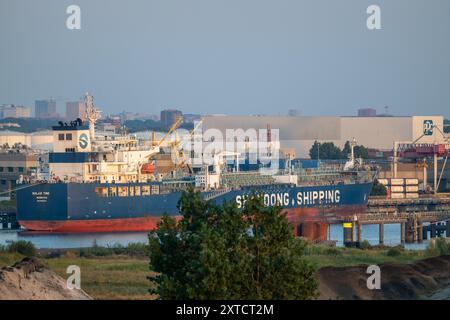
(148, 168)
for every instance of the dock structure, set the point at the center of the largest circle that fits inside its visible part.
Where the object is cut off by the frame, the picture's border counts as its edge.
(411, 214)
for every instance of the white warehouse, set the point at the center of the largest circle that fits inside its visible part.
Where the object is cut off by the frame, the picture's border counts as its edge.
(300, 133)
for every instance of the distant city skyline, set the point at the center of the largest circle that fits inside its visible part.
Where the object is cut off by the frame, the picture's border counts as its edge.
(229, 57)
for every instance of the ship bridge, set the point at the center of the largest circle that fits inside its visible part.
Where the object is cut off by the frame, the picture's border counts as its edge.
(75, 158)
(71, 138)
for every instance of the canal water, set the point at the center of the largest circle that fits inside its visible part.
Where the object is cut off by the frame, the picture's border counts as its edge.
(370, 232)
(84, 240)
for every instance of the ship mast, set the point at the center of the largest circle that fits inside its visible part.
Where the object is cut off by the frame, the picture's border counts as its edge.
(92, 114)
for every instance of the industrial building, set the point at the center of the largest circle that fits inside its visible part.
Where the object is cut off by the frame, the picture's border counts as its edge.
(40, 140)
(13, 111)
(15, 164)
(170, 116)
(367, 112)
(45, 109)
(75, 109)
(300, 133)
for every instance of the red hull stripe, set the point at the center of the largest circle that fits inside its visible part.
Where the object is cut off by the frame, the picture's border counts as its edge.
(103, 225)
(295, 215)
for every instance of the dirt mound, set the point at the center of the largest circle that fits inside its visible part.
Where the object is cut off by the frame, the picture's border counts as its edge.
(398, 281)
(30, 280)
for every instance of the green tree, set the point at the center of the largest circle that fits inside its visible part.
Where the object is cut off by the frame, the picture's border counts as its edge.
(346, 150)
(325, 150)
(361, 152)
(222, 252)
(378, 189)
(328, 151)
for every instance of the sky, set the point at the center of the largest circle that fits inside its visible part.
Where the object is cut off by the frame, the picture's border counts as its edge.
(229, 56)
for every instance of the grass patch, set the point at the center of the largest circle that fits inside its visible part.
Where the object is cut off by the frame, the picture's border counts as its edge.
(112, 277)
(8, 258)
(323, 256)
(8, 205)
(115, 273)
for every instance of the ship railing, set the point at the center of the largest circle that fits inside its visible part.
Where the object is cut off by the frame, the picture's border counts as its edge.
(216, 193)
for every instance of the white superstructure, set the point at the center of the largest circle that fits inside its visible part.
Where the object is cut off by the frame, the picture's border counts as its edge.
(81, 156)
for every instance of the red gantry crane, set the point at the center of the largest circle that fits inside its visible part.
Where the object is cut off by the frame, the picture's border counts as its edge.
(419, 150)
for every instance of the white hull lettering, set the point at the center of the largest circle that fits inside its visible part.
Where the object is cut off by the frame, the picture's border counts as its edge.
(304, 198)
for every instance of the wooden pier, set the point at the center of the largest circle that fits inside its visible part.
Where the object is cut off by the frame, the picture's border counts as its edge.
(411, 214)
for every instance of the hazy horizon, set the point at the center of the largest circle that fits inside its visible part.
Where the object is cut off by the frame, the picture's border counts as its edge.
(229, 57)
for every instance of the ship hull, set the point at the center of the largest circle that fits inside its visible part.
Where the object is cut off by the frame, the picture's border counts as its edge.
(78, 207)
(87, 226)
(297, 216)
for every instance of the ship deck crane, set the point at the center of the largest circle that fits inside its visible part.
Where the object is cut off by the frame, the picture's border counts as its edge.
(179, 154)
(156, 145)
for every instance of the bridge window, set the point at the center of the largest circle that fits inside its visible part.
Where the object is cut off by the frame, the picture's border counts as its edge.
(145, 190)
(113, 191)
(68, 136)
(123, 191)
(155, 189)
(61, 136)
(137, 191)
(131, 191)
(101, 191)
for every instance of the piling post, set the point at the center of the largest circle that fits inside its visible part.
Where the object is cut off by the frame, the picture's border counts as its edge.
(409, 230)
(433, 230)
(440, 229)
(360, 232)
(402, 232)
(447, 231)
(354, 231)
(425, 232)
(420, 232)
(381, 226)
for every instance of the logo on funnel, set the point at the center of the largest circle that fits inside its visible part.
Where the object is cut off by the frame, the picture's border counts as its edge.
(83, 141)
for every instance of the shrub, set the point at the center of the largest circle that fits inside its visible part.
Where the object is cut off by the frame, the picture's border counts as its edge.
(132, 249)
(438, 247)
(23, 247)
(442, 246)
(70, 254)
(137, 249)
(394, 252)
(53, 254)
(364, 245)
(332, 251)
(95, 252)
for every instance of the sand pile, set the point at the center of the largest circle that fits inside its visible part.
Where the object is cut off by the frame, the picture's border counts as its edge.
(30, 280)
(398, 281)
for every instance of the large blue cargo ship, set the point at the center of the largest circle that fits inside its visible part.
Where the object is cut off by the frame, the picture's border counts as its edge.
(107, 184)
(97, 207)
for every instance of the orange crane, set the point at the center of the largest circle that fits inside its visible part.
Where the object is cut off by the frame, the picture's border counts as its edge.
(157, 144)
(181, 159)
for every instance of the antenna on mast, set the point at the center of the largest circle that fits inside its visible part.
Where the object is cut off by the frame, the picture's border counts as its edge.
(92, 114)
